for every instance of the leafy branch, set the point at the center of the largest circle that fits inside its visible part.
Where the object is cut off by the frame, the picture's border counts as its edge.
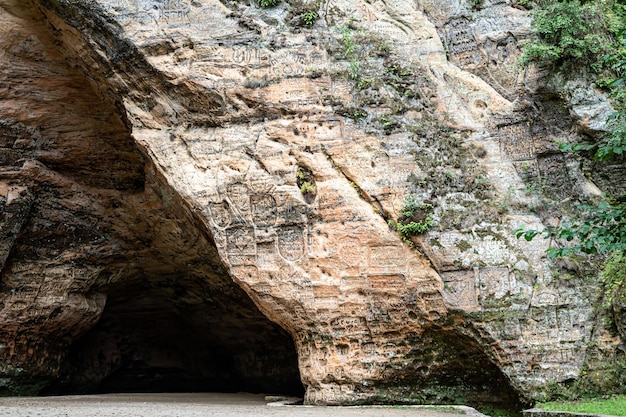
(602, 230)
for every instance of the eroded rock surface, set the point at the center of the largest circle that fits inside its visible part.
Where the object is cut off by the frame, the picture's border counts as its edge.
(88, 221)
(156, 162)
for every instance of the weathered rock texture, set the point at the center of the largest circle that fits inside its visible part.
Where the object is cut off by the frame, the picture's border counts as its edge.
(157, 227)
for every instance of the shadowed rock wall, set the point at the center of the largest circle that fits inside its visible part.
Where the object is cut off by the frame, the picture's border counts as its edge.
(93, 234)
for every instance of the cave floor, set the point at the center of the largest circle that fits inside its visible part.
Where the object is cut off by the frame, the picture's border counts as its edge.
(188, 405)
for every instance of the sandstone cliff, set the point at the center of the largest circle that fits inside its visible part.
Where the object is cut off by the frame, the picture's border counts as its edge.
(199, 192)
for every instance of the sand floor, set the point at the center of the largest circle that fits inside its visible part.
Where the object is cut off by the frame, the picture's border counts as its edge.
(191, 405)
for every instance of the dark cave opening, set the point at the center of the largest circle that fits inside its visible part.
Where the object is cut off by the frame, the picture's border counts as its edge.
(180, 335)
(448, 366)
(461, 372)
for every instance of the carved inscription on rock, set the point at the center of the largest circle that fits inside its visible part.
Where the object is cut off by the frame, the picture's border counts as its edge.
(294, 212)
(238, 194)
(266, 256)
(384, 283)
(351, 251)
(293, 63)
(264, 210)
(175, 11)
(527, 170)
(462, 44)
(494, 285)
(516, 142)
(511, 329)
(240, 241)
(220, 214)
(172, 12)
(291, 242)
(386, 259)
(554, 174)
(546, 297)
(203, 142)
(348, 322)
(391, 31)
(460, 290)
(248, 57)
(503, 71)
(248, 273)
(327, 132)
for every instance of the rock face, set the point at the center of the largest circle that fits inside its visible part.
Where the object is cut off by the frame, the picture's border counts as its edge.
(196, 196)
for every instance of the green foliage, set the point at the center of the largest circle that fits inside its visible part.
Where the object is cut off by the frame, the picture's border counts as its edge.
(615, 406)
(350, 50)
(410, 229)
(612, 145)
(307, 188)
(414, 228)
(410, 205)
(268, 3)
(568, 31)
(347, 40)
(355, 69)
(601, 230)
(416, 219)
(364, 83)
(306, 182)
(352, 113)
(527, 4)
(601, 377)
(613, 276)
(356, 187)
(615, 60)
(303, 13)
(310, 17)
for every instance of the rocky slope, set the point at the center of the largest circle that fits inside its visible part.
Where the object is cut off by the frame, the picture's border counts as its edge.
(197, 196)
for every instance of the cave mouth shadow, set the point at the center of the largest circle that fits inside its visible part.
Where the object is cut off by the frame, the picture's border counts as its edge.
(180, 335)
(457, 369)
(449, 365)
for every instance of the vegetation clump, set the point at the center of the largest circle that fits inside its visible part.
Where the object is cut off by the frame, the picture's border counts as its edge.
(416, 219)
(266, 4)
(574, 33)
(302, 13)
(306, 183)
(615, 406)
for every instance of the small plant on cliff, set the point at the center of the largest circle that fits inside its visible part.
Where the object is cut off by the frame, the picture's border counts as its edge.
(303, 12)
(268, 3)
(310, 17)
(416, 219)
(307, 188)
(306, 183)
(410, 205)
(414, 228)
(347, 33)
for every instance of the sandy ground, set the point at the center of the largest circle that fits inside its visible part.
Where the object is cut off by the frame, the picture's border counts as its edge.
(189, 405)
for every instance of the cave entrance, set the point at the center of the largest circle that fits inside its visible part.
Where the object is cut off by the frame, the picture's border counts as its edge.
(181, 335)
